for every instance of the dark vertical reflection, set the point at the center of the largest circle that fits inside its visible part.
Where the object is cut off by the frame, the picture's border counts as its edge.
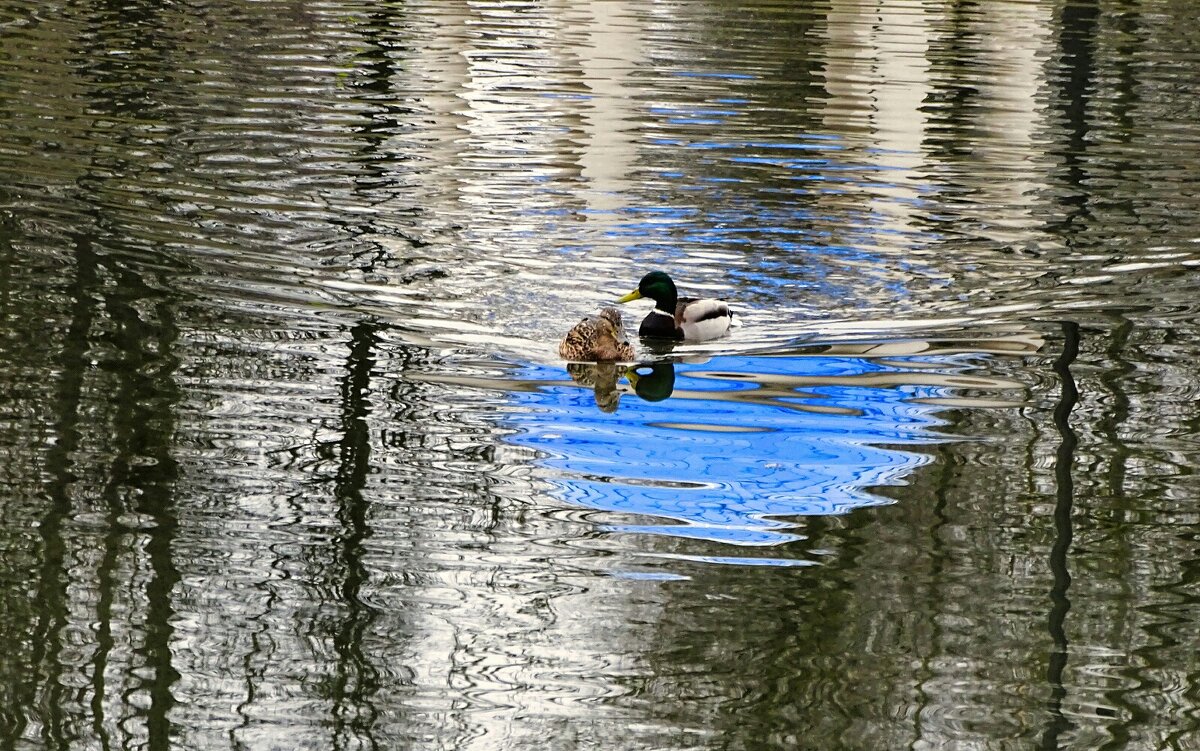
(1115, 480)
(144, 430)
(6, 261)
(377, 183)
(1118, 413)
(11, 717)
(51, 577)
(355, 679)
(1123, 93)
(1060, 604)
(953, 103)
(106, 592)
(1078, 26)
(940, 557)
(1074, 82)
(143, 333)
(116, 367)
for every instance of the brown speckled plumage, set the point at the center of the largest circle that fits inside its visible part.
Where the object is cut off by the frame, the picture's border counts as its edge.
(597, 339)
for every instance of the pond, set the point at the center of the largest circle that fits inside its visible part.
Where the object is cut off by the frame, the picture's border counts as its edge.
(290, 459)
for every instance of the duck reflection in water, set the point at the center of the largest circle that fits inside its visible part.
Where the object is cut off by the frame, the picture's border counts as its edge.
(602, 378)
(652, 382)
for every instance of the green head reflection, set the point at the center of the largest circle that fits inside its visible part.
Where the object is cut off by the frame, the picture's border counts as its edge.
(652, 382)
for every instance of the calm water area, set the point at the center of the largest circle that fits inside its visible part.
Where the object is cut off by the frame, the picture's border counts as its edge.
(288, 458)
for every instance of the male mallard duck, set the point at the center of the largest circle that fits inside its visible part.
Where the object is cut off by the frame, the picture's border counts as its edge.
(675, 317)
(597, 338)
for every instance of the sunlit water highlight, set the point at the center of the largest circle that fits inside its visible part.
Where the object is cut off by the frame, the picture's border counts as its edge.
(733, 449)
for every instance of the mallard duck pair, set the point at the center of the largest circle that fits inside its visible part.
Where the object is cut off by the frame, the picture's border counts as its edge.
(602, 337)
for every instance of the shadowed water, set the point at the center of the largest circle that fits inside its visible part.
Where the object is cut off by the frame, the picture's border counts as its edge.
(288, 458)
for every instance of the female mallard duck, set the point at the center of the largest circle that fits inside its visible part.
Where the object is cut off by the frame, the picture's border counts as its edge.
(675, 317)
(597, 338)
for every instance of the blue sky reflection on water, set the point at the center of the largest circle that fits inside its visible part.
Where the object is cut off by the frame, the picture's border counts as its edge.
(740, 447)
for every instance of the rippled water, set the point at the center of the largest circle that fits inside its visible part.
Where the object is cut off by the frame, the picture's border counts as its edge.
(289, 459)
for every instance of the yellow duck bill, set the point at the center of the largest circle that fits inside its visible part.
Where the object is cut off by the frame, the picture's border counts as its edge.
(634, 295)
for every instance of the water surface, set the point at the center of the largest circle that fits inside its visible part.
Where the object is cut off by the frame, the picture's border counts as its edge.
(290, 461)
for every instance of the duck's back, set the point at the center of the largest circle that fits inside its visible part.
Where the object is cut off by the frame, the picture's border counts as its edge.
(592, 340)
(699, 320)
